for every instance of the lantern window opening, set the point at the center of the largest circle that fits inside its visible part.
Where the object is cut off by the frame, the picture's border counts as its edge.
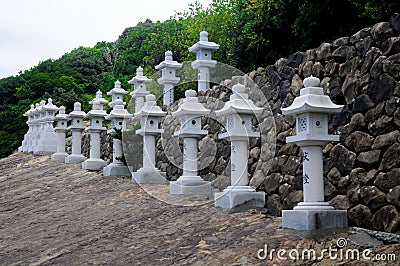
(303, 123)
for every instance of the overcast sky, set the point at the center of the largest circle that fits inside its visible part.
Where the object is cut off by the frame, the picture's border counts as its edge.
(36, 30)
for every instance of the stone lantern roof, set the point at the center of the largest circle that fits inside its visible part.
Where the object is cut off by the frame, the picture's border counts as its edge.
(61, 114)
(99, 98)
(77, 112)
(191, 106)
(50, 106)
(150, 108)
(139, 78)
(29, 112)
(35, 111)
(239, 103)
(312, 100)
(168, 62)
(40, 106)
(118, 111)
(117, 89)
(203, 43)
(97, 110)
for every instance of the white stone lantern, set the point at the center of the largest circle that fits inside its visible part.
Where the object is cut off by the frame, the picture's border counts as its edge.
(27, 137)
(239, 111)
(30, 113)
(149, 117)
(203, 62)
(312, 109)
(48, 138)
(169, 79)
(190, 112)
(61, 129)
(77, 126)
(96, 116)
(118, 117)
(35, 128)
(39, 124)
(117, 93)
(139, 88)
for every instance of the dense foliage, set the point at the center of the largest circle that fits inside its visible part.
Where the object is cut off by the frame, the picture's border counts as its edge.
(251, 33)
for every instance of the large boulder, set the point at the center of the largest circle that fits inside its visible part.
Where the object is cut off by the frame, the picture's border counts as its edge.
(386, 219)
(360, 216)
(342, 159)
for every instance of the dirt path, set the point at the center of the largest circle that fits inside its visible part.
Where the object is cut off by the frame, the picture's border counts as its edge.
(57, 214)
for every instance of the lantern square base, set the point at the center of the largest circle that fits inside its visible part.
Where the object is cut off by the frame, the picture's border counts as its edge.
(149, 176)
(314, 219)
(45, 150)
(59, 156)
(75, 158)
(116, 170)
(94, 164)
(229, 199)
(190, 186)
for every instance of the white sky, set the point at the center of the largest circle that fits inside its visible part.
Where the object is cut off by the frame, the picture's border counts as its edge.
(36, 30)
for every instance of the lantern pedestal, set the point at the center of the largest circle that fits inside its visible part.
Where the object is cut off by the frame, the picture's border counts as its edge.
(313, 219)
(116, 168)
(47, 143)
(76, 156)
(94, 162)
(60, 155)
(149, 176)
(243, 196)
(190, 183)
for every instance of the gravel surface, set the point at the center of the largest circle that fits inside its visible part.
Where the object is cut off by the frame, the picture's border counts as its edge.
(57, 214)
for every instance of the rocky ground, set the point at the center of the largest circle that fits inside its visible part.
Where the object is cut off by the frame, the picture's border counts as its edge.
(57, 214)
